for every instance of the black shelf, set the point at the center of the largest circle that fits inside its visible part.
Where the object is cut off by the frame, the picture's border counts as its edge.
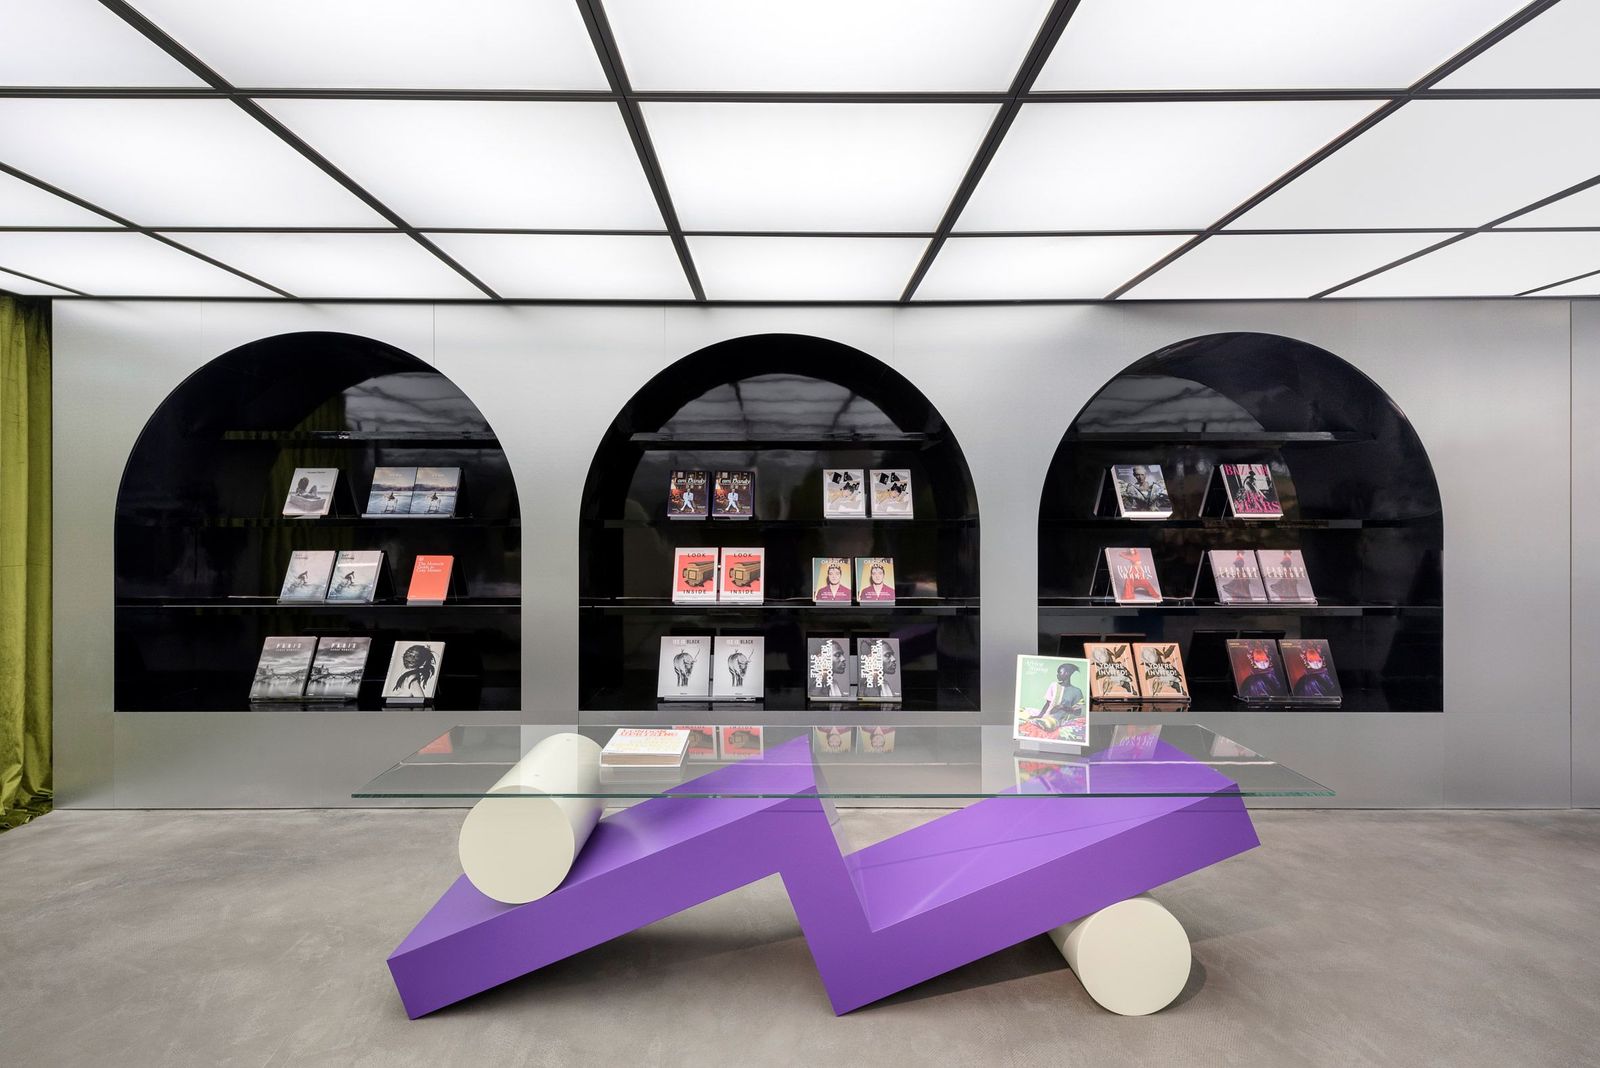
(843, 526)
(1183, 605)
(269, 604)
(418, 439)
(738, 442)
(1109, 524)
(923, 606)
(275, 522)
(780, 698)
(1217, 438)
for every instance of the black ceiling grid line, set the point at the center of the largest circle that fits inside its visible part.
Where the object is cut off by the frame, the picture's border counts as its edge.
(687, 302)
(35, 278)
(1044, 42)
(161, 39)
(1442, 71)
(1561, 282)
(605, 47)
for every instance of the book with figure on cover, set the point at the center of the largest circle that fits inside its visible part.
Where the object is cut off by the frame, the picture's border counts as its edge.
(337, 670)
(687, 495)
(684, 671)
(830, 580)
(281, 672)
(733, 495)
(645, 747)
(875, 580)
(1257, 670)
(310, 491)
(844, 493)
(694, 576)
(1160, 667)
(830, 672)
(878, 669)
(1133, 576)
(737, 743)
(891, 493)
(1141, 491)
(875, 741)
(1112, 675)
(1308, 663)
(355, 576)
(1050, 704)
(436, 491)
(1238, 578)
(832, 740)
(413, 677)
(738, 669)
(702, 740)
(391, 491)
(306, 579)
(1284, 572)
(430, 580)
(1251, 493)
(741, 581)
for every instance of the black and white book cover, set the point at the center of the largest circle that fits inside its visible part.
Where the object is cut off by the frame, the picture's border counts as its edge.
(1141, 491)
(414, 668)
(688, 494)
(890, 488)
(391, 491)
(337, 669)
(311, 491)
(355, 576)
(830, 670)
(733, 495)
(436, 490)
(878, 667)
(306, 580)
(281, 672)
(684, 673)
(844, 493)
(738, 670)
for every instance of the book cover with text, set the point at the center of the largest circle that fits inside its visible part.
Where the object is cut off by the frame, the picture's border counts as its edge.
(1308, 664)
(306, 579)
(1238, 577)
(733, 495)
(891, 493)
(832, 741)
(1050, 705)
(687, 495)
(875, 580)
(282, 669)
(875, 741)
(830, 580)
(1160, 667)
(1284, 572)
(436, 491)
(310, 492)
(391, 491)
(337, 669)
(844, 493)
(1141, 491)
(1112, 674)
(830, 671)
(355, 576)
(1257, 669)
(878, 669)
(430, 580)
(738, 671)
(694, 576)
(1251, 492)
(684, 670)
(702, 740)
(741, 581)
(413, 676)
(1133, 576)
(739, 742)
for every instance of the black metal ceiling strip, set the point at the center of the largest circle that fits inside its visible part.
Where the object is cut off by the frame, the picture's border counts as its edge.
(36, 278)
(689, 303)
(1562, 282)
(605, 47)
(1044, 42)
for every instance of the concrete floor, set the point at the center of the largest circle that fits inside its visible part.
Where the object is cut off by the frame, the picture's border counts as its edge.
(258, 938)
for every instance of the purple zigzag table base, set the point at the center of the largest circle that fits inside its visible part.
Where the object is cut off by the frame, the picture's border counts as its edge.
(877, 920)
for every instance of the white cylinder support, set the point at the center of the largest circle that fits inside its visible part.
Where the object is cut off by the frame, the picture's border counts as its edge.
(518, 847)
(1132, 957)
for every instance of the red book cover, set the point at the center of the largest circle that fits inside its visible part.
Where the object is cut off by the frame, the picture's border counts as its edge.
(741, 581)
(430, 580)
(740, 742)
(1133, 576)
(694, 576)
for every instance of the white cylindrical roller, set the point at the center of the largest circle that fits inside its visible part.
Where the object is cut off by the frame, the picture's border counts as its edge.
(1132, 957)
(518, 847)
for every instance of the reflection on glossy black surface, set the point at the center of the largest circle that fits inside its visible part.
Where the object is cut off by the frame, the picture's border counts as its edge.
(1359, 496)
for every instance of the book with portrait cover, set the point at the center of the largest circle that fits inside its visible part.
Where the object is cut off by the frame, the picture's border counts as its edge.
(1050, 705)
(831, 741)
(337, 669)
(702, 740)
(684, 671)
(1308, 664)
(844, 493)
(733, 495)
(1160, 668)
(830, 580)
(430, 580)
(1141, 491)
(436, 491)
(355, 576)
(1251, 494)
(738, 668)
(413, 677)
(694, 576)
(310, 491)
(281, 672)
(687, 495)
(1133, 576)
(391, 491)
(1284, 572)
(830, 670)
(737, 743)
(878, 669)
(1037, 775)
(306, 579)
(875, 580)
(891, 493)
(1112, 675)
(1257, 670)
(1238, 578)
(741, 581)
(875, 741)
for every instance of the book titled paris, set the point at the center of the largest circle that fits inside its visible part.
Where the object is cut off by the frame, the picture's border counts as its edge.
(337, 669)
(733, 495)
(878, 665)
(844, 493)
(875, 580)
(687, 495)
(306, 580)
(891, 493)
(1141, 491)
(1251, 493)
(413, 677)
(1238, 577)
(1284, 571)
(1133, 576)
(391, 491)
(738, 668)
(684, 671)
(436, 491)
(355, 576)
(281, 672)
(310, 492)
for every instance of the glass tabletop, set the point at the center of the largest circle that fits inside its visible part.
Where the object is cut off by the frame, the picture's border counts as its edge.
(962, 761)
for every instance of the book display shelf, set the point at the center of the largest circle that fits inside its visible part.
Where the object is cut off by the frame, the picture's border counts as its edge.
(202, 544)
(1358, 498)
(785, 407)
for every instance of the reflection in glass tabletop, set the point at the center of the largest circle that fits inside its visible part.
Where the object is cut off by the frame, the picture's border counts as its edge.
(964, 761)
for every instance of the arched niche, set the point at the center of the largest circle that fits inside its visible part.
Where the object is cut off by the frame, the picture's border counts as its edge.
(787, 406)
(201, 544)
(1359, 497)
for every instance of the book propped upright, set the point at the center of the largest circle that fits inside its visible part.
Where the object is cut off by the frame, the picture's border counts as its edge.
(311, 492)
(1160, 669)
(391, 492)
(306, 580)
(430, 580)
(844, 493)
(1257, 671)
(1243, 491)
(1112, 674)
(337, 670)
(1128, 575)
(694, 575)
(733, 495)
(413, 677)
(1284, 572)
(1312, 679)
(359, 577)
(437, 492)
(687, 495)
(1134, 491)
(739, 668)
(684, 671)
(282, 669)
(1234, 577)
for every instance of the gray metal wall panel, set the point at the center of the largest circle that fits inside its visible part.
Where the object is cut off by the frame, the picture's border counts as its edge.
(1586, 553)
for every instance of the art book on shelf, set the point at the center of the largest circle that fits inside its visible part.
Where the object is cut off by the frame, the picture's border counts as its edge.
(1160, 668)
(1284, 572)
(738, 670)
(694, 576)
(1257, 670)
(741, 581)
(414, 668)
(1141, 491)
(733, 495)
(355, 576)
(830, 580)
(878, 667)
(832, 740)
(436, 491)
(1112, 675)
(830, 670)
(1238, 578)
(1308, 665)
(702, 740)
(1251, 493)
(391, 491)
(430, 580)
(306, 579)
(891, 493)
(687, 495)
(282, 669)
(875, 741)
(875, 580)
(337, 669)
(1133, 576)
(844, 493)
(645, 747)
(684, 671)
(310, 492)
(738, 743)
(1050, 705)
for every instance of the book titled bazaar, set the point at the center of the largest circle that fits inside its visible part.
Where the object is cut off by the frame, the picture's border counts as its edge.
(1133, 576)
(687, 495)
(741, 581)
(694, 576)
(1251, 493)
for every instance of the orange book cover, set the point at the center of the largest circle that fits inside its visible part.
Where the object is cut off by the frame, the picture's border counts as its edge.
(430, 580)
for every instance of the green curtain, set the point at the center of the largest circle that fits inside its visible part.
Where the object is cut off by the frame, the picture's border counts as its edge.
(25, 775)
